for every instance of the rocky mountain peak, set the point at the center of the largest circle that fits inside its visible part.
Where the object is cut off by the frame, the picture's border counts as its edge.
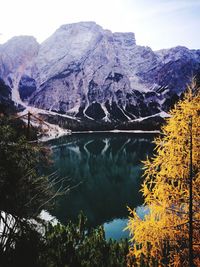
(70, 43)
(78, 25)
(85, 71)
(15, 56)
(19, 48)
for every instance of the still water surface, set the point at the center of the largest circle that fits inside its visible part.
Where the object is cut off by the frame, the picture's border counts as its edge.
(104, 171)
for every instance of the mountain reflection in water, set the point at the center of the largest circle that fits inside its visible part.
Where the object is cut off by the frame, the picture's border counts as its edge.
(109, 169)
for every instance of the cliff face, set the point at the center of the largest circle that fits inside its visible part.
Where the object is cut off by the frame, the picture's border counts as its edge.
(16, 58)
(6, 104)
(86, 71)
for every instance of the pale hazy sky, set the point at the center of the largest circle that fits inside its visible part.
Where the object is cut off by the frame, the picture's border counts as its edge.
(156, 23)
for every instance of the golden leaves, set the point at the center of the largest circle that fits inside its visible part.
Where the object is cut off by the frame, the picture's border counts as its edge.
(166, 191)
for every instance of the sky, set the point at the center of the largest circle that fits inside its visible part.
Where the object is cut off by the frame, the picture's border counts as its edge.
(156, 23)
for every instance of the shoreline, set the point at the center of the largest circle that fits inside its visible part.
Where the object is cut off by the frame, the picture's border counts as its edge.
(118, 131)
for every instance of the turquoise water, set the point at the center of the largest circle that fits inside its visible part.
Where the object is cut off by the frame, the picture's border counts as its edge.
(104, 172)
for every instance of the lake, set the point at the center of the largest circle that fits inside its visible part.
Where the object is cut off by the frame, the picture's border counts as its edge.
(104, 172)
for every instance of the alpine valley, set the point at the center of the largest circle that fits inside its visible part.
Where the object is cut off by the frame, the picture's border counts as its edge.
(85, 78)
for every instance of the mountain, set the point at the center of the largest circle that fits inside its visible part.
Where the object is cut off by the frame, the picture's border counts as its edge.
(90, 73)
(6, 103)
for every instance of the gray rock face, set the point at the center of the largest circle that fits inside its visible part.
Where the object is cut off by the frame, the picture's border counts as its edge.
(27, 86)
(6, 103)
(86, 71)
(16, 57)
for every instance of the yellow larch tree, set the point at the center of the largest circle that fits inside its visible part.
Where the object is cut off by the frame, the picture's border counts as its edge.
(161, 238)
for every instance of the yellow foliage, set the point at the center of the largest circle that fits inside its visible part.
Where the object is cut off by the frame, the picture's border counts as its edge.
(166, 191)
